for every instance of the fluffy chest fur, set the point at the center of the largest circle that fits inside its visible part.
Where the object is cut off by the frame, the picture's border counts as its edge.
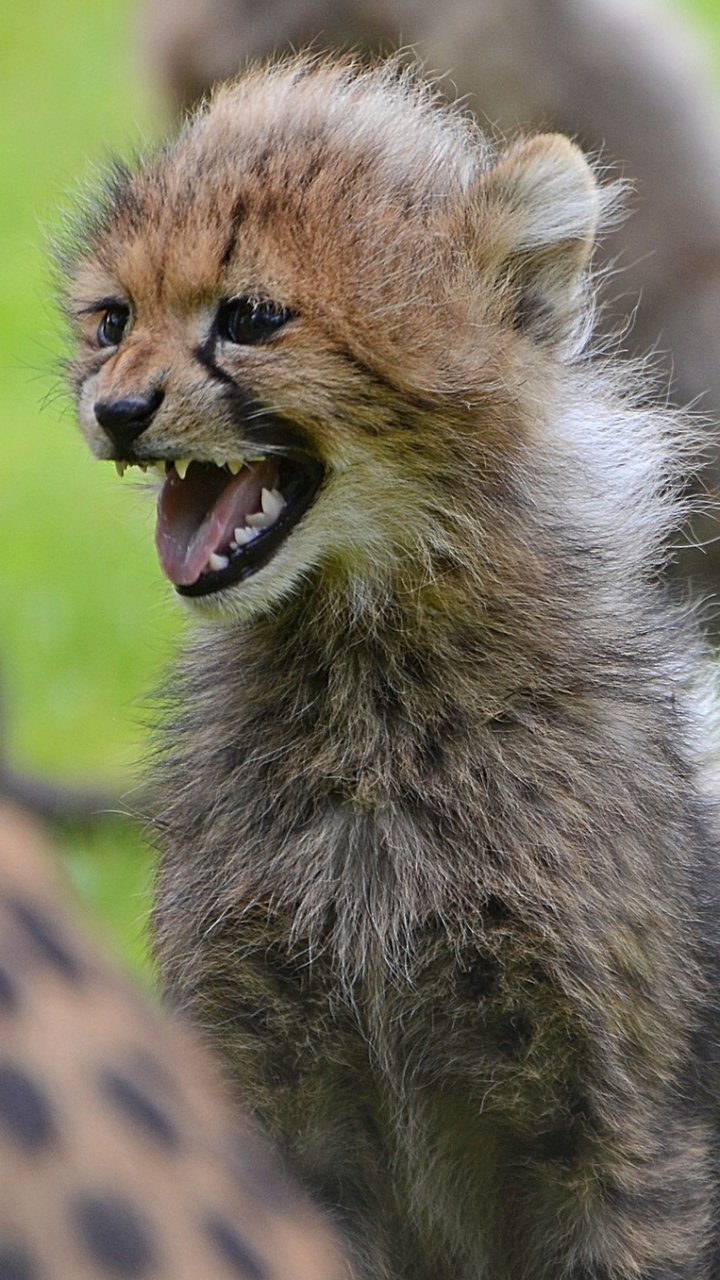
(439, 949)
(436, 846)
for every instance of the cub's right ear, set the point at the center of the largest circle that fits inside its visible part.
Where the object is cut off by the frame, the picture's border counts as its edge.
(535, 216)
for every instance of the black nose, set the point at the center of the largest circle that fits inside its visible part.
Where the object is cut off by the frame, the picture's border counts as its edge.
(124, 420)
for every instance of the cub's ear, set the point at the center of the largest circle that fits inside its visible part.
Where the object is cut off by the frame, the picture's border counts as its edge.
(537, 211)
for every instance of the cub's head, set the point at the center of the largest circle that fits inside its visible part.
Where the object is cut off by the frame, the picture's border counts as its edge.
(326, 316)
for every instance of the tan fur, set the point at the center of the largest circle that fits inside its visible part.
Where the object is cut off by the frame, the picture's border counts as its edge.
(438, 866)
(102, 1099)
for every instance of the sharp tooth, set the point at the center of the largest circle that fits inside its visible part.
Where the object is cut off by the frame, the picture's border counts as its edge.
(258, 520)
(243, 536)
(181, 466)
(159, 469)
(235, 466)
(216, 562)
(120, 468)
(143, 466)
(272, 502)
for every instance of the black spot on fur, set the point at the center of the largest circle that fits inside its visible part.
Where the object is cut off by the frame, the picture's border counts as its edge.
(268, 210)
(261, 162)
(9, 999)
(25, 1113)
(513, 1034)
(560, 1145)
(432, 755)
(495, 911)
(478, 979)
(237, 217)
(135, 1105)
(47, 938)
(114, 1235)
(533, 316)
(236, 1255)
(16, 1264)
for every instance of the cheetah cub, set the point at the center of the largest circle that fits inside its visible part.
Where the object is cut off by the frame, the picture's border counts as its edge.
(439, 865)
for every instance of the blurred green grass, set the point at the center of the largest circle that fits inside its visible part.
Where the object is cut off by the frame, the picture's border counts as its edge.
(705, 14)
(86, 623)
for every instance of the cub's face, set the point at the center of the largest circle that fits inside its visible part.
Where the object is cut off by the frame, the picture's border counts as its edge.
(279, 317)
(189, 388)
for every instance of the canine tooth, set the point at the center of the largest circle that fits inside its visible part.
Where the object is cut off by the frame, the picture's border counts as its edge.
(235, 466)
(120, 468)
(272, 502)
(258, 520)
(216, 562)
(181, 466)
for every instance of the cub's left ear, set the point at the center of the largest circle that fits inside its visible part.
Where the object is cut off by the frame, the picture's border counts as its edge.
(537, 211)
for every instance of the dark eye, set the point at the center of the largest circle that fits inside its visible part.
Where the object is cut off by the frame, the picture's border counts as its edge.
(247, 320)
(111, 328)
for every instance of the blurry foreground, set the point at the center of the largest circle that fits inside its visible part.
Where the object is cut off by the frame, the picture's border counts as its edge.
(121, 1152)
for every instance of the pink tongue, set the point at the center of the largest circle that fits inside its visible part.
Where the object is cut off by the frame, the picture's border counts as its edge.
(198, 515)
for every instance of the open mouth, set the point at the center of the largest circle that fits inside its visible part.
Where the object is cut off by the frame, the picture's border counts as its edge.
(219, 522)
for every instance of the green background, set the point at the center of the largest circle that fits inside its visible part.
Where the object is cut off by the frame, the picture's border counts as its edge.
(86, 621)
